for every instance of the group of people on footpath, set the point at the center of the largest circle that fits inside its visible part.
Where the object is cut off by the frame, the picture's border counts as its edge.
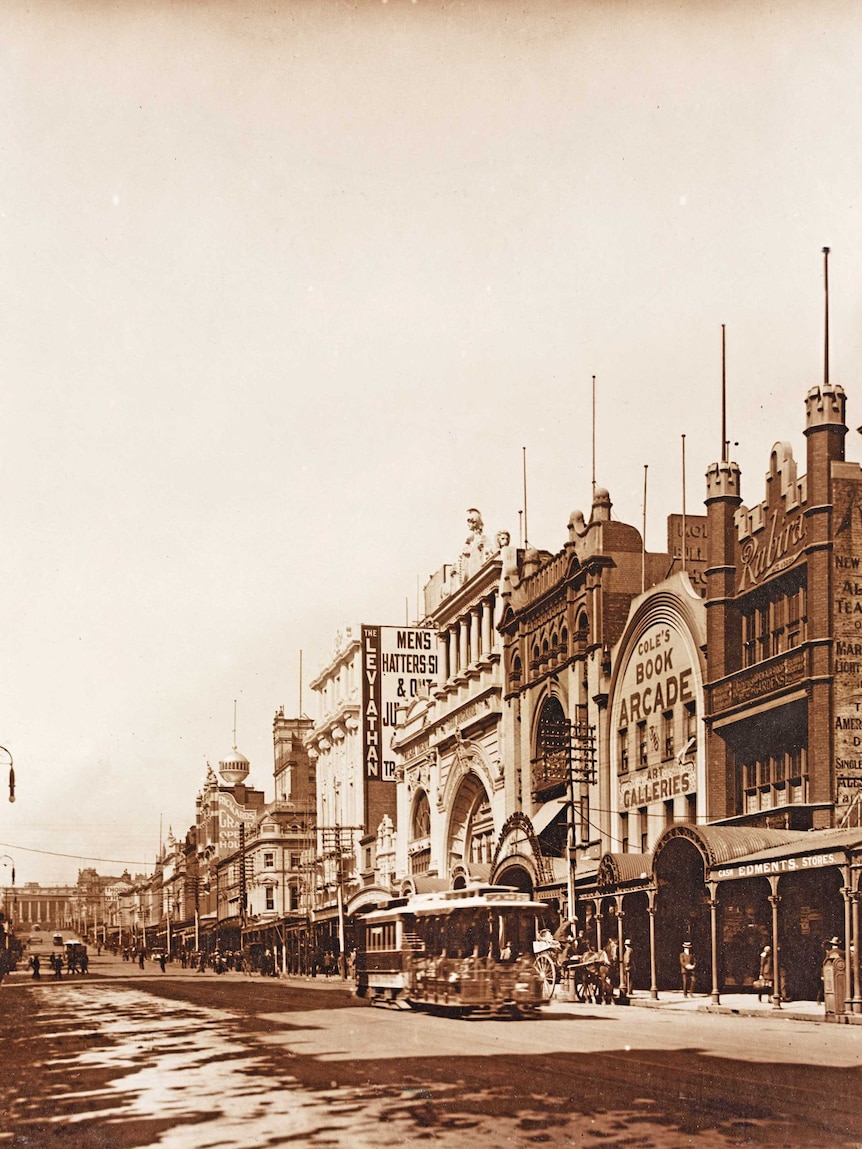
(76, 961)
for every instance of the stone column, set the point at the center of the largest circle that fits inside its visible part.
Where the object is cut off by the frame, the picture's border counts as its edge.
(487, 628)
(475, 648)
(443, 658)
(775, 901)
(849, 937)
(713, 928)
(857, 996)
(651, 910)
(463, 645)
(453, 651)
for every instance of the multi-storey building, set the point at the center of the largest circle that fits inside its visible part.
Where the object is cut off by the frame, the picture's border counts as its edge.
(452, 799)
(226, 810)
(758, 831)
(563, 616)
(335, 751)
(33, 907)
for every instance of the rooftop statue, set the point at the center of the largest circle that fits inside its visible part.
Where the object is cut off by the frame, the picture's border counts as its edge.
(475, 549)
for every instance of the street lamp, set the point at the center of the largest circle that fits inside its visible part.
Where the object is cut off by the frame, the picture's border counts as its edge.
(11, 774)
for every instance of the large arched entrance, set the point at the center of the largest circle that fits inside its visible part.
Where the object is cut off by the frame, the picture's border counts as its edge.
(682, 911)
(471, 826)
(517, 875)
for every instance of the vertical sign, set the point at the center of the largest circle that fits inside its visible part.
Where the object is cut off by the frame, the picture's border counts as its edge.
(371, 703)
(399, 665)
(847, 631)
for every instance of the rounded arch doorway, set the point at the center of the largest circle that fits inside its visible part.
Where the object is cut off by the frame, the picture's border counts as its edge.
(518, 877)
(682, 909)
(471, 827)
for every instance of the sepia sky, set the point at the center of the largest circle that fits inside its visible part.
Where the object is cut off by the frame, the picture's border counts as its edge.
(287, 287)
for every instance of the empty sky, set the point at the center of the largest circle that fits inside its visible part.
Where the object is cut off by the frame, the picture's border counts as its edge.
(287, 287)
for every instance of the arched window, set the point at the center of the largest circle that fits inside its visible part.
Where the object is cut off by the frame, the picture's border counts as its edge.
(551, 759)
(421, 827)
(582, 636)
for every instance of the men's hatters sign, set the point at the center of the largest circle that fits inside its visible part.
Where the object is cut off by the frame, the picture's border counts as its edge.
(399, 664)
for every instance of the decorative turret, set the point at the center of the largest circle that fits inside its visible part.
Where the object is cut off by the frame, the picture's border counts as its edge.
(722, 481)
(234, 767)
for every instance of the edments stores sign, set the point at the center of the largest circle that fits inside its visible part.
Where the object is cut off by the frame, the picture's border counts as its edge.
(399, 664)
(777, 866)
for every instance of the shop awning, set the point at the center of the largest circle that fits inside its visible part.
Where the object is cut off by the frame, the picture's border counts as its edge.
(548, 813)
(812, 850)
(625, 870)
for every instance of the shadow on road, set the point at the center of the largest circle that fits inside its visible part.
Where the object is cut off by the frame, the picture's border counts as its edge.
(116, 1065)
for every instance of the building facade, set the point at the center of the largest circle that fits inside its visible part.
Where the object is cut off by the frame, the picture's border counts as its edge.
(451, 776)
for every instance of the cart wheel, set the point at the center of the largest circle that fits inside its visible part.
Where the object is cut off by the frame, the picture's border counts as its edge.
(547, 972)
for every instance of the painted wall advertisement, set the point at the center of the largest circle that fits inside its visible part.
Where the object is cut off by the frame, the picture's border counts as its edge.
(847, 632)
(658, 681)
(399, 665)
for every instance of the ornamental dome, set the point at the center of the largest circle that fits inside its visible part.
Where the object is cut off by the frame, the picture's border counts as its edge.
(234, 767)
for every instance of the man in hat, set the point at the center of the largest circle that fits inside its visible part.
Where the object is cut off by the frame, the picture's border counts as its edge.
(564, 934)
(687, 967)
(627, 962)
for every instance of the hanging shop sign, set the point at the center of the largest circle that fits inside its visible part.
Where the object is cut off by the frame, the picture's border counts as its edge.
(399, 664)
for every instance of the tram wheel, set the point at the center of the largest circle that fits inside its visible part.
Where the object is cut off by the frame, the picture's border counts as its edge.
(547, 972)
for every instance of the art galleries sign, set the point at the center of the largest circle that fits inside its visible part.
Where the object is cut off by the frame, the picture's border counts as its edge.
(399, 664)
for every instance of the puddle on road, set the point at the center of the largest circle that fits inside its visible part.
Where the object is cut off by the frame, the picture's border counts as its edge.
(170, 1076)
(177, 1064)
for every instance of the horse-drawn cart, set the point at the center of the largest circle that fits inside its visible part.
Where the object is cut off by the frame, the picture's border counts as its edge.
(590, 976)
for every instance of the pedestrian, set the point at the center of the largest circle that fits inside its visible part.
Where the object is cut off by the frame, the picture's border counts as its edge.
(627, 962)
(162, 960)
(565, 935)
(141, 958)
(84, 962)
(35, 965)
(763, 981)
(687, 967)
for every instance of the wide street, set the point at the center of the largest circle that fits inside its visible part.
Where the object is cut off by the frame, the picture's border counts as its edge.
(124, 1057)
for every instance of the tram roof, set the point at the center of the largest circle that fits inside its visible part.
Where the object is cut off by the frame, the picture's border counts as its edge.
(448, 901)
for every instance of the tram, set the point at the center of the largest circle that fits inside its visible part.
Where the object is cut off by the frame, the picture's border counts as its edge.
(461, 951)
